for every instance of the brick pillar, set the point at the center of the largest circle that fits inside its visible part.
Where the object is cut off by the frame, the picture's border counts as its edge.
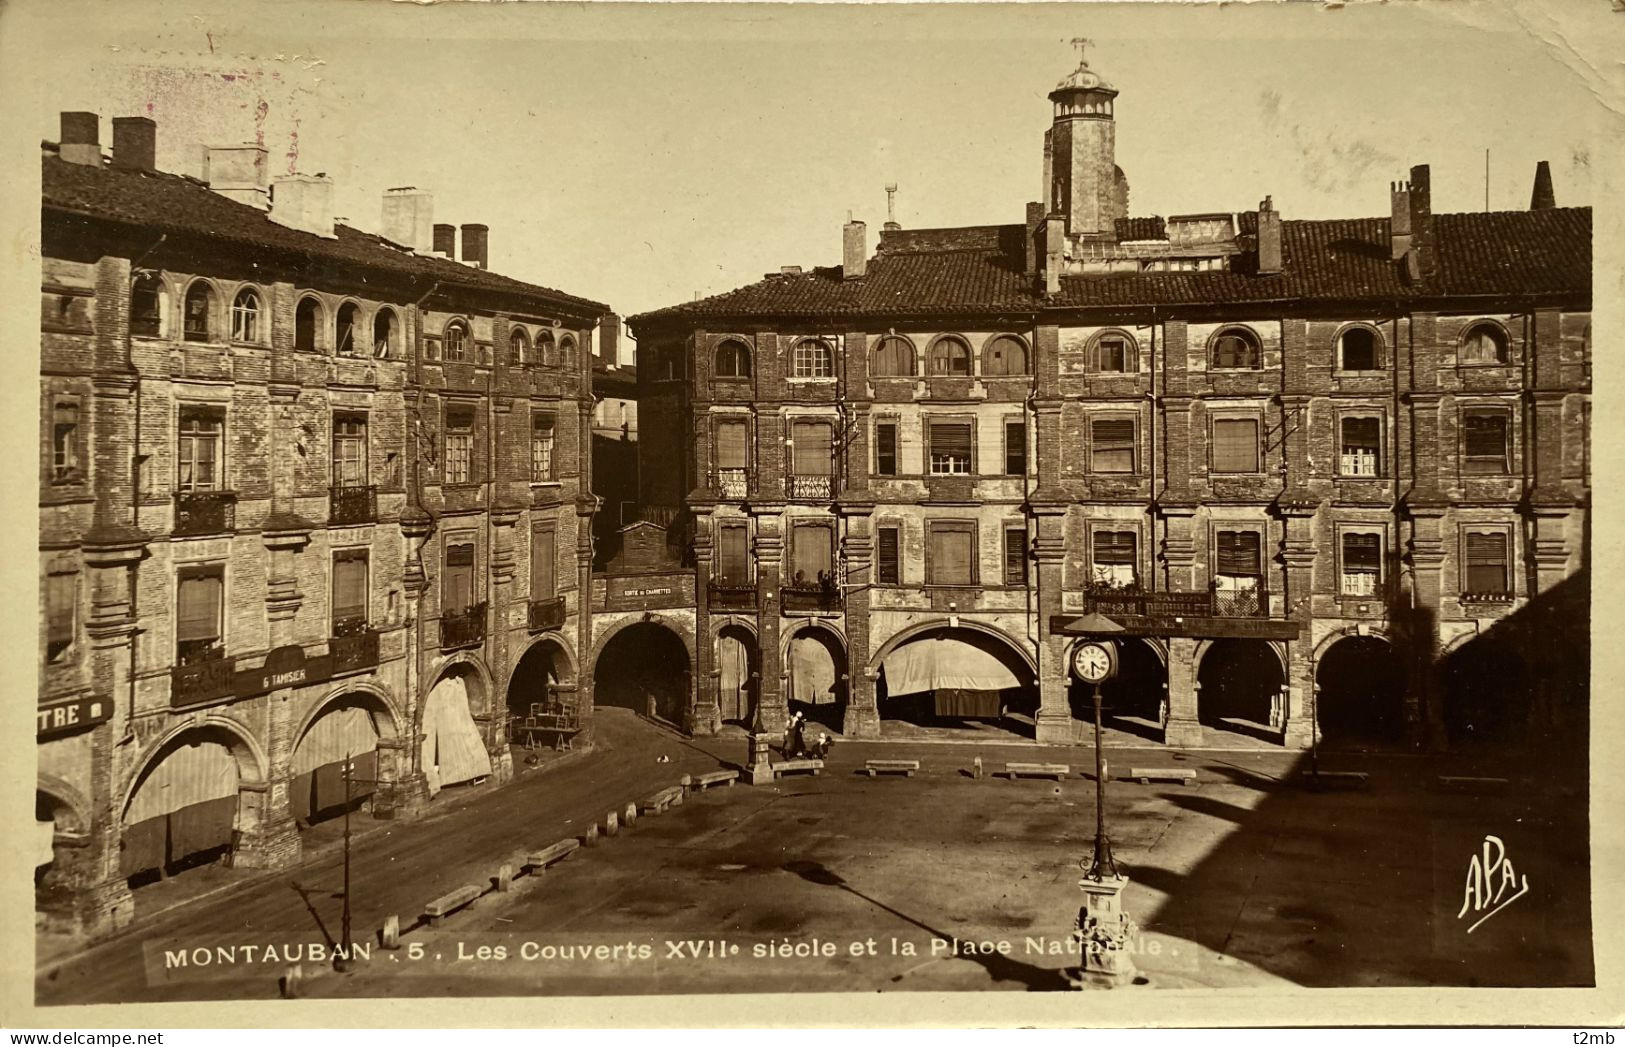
(862, 719)
(1054, 721)
(1298, 551)
(769, 546)
(1179, 547)
(705, 718)
(1418, 621)
(96, 899)
(1183, 729)
(266, 837)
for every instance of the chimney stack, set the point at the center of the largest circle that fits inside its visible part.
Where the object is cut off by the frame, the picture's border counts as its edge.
(445, 240)
(1054, 243)
(135, 143)
(238, 172)
(1035, 222)
(81, 139)
(408, 218)
(1399, 221)
(1269, 238)
(608, 346)
(304, 202)
(1419, 262)
(477, 245)
(855, 250)
(1542, 199)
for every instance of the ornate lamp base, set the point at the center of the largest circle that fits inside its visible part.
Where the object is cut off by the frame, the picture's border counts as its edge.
(1108, 936)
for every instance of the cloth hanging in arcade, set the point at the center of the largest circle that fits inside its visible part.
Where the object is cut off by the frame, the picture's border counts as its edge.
(733, 670)
(202, 826)
(812, 671)
(44, 843)
(142, 847)
(453, 750)
(945, 663)
(187, 775)
(345, 731)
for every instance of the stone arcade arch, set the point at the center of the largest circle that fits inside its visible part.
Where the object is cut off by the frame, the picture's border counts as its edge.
(644, 666)
(816, 676)
(1241, 687)
(352, 721)
(454, 748)
(1485, 690)
(1135, 700)
(543, 683)
(738, 673)
(1360, 691)
(979, 673)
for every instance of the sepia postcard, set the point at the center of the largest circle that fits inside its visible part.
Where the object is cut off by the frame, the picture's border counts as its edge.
(813, 514)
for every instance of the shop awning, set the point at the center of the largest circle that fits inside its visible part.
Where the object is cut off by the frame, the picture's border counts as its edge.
(945, 663)
(453, 750)
(187, 775)
(345, 731)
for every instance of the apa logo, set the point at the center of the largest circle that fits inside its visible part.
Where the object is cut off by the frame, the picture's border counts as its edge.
(1490, 876)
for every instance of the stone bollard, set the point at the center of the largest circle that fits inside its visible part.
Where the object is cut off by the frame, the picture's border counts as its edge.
(977, 773)
(391, 936)
(629, 815)
(612, 824)
(590, 837)
(687, 783)
(678, 799)
(504, 878)
(293, 982)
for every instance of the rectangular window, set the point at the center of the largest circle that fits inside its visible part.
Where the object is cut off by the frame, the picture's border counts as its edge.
(1111, 445)
(457, 587)
(1362, 564)
(951, 553)
(1360, 448)
(65, 443)
(543, 563)
(733, 554)
(1487, 563)
(889, 555)
(1485, 441)
(198, 454)
(198, 607)
(541, 446)
(733, 444)
(1240, 555)
(1235, 445)
(459, 444)
(61, 603)
(886, 448)
(1015, 555)
(1113, 354)
(812, 448)
(349, 591)
(950, 448)
(349, 450)
(1015, 448)
(812, 554)
(1114, 559)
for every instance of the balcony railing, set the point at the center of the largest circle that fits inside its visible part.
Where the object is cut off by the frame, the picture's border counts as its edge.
(809, 487)
(733, 484)
(1359, 583)
(1132, 601)
(1360, 464)
(809, 599)
(1487, 596)
(205, 512)
(726, 596)
(547, 614)
(353, 648)
(202, 680)
(1241, 603)
(465, 628)
(352, 504)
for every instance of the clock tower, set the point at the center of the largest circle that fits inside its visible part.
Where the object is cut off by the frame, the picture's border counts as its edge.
(1082, 182)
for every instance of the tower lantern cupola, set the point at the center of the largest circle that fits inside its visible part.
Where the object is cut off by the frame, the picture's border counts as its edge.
(1084, 184)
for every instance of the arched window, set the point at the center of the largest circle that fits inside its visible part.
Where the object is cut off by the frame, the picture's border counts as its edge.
(147, 306)
(1236, 348)
(455, 341)
(733, 359)
(1004, 354)
(567, 352)
(307, 319)
(894, 357)
(813, 359)
(1485, 343)
(518, 347)
(349, 314)
(1114, 352)
(199, 318)
(1359, 349)
(245, 316)
(950, 356)
(385, 334)
(545, 354)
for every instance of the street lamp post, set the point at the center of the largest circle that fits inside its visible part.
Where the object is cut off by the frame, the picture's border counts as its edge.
(341, 956)
(1103, 845)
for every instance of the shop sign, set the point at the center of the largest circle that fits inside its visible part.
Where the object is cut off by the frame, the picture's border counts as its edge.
(59, 718)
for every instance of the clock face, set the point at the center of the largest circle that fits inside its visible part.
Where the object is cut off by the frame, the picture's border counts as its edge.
(1092, 662)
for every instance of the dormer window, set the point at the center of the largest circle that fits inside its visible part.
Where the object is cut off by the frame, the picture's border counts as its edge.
(1236, 349)
(813, 358)
(733, 359)
(950, 358)
(1485, 343)
(894, 358)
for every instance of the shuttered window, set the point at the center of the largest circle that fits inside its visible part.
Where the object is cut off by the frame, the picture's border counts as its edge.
(1237, 348)
(1240, 553)
(349, 450)
(812, 553)
(950, 357)
(459, 444)
(950, 444)
(1114, 354)
(1015, 448)
(886, 448)
(457, 587)
(198, 610)
(1362, 564)
(543, 563)
(349, 587)
(733, 444)
(1235, 445)
(1004, 355)
(951, 554)
(1114, 559)
(1487, 563)
(541, 447)
(1015, 556)
(733, 554)
(1360, 446)
(1112, 445)
(61, 598)
(201, 441)
(894, 357)
(811, 445)
(1484, 441)
(888, 556)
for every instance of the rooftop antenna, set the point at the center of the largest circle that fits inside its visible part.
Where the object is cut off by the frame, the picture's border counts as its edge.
(891, 205)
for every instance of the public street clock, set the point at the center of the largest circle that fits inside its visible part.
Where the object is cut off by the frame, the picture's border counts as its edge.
(1095, 661)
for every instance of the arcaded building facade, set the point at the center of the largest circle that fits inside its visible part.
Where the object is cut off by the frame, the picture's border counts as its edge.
(1331, 477)
(307, 494)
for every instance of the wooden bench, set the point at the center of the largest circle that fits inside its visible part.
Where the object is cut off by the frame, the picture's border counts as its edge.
(1331, 781)
(798, 767)
(1146, 775)
(450, 902)
(1472, 783)
(661, 800)
(903, 767)
(1036, 770)
(705, 781)
(540, 860)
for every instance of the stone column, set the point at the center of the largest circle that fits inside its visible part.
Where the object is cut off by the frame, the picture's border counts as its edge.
(1298, 551)
(862, 719)
(1184, 728)
(705, 717)
(1054, 721)
(769, 546)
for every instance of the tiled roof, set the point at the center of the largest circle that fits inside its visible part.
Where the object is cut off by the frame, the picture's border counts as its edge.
(1141, 229)
(170, 203)
(980, 269)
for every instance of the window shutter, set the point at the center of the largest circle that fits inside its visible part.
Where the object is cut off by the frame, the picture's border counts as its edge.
(886, 448)
(349, 586)
(951, 438)
(543, 554)
(1486, 435)
(59, 602)
(952, 551)
(1015, 556)
(1239, 553)
(732, 452)
(733, 555)
(1362, 552)
(1113, 445)
(812, 448)
(812, 553)
(1362, 433)
(458, 587)
(1015, 448)
(197, 616)
(1487, 563)
(888, 560)
(1114, 548)
(1235, 445)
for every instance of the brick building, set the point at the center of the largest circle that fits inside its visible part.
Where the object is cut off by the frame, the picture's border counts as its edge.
(1331, 476)
(306, 492)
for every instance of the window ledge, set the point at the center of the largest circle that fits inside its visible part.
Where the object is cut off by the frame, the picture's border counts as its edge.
(546, 483)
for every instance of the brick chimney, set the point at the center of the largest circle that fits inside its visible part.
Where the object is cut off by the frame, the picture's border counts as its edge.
(608, 345)
(1542, 199)
(238, 172)
(445, 239)
(1420, 261)
(1399, 221)
(1035, 222)
(1269, 238)
(304, 202)
(81, 139)
(135, 143)
(854, 250)
(408, 218)
(477, 245)
(1054, 258)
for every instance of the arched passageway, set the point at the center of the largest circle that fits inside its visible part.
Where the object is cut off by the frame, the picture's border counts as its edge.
(738, 675)
(454, 749)
(1131, 701)
(1486, 692)
(349, 726)
(1241, 683)
(51, 815)
(953, 677)
(817, 679)
(542, 696)
(1361, 692)
(184, 807)
(645, 668)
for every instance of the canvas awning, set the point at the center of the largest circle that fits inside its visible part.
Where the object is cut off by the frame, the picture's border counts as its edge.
(337, 733)
(187, 775)
(945, 663)
(453, 750)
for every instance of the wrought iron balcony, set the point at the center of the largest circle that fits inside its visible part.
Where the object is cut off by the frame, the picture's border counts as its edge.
(205, 512)
(728, 596)
(1487, 596)
(733, 484)
(201, 680)
(1241, 603)
(1359, 583)
(352, 504)
(1360, 464)
(464, 628)
(809, 599)
(353, 646)
(805, 487)
(547, 614)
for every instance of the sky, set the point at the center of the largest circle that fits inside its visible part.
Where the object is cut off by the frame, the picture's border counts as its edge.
(642, 155)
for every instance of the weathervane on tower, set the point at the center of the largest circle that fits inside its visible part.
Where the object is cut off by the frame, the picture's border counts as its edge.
(1082, 43)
